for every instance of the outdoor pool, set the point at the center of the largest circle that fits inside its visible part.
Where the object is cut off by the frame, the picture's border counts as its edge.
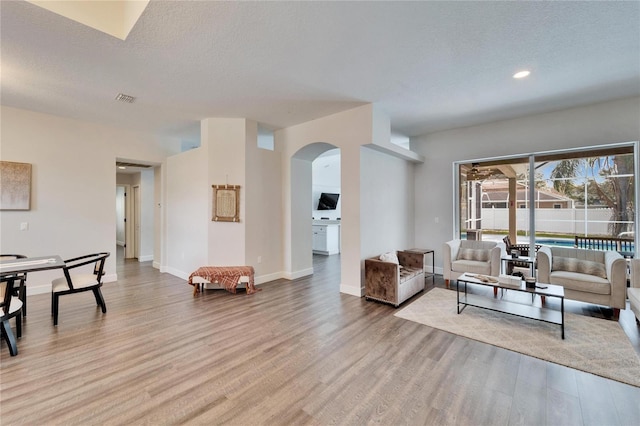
(555, 242)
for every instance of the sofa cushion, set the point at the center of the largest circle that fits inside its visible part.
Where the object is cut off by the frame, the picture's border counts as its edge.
(571, 264)
(473, 254)
(580, 282)
(473, 266)
(390, 257)
(408, 273)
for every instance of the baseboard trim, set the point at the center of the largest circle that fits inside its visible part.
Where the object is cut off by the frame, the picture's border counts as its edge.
(297, 274)
(176, 272)
(352, 291)
(156, 265)
(269, 277)
(145, 258)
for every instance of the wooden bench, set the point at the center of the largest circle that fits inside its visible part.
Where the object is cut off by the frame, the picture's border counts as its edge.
(227, 276)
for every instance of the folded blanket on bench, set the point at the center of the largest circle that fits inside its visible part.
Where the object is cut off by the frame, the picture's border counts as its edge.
(226, 276)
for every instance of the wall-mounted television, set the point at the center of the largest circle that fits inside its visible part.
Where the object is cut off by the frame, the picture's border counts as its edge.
(328, 201)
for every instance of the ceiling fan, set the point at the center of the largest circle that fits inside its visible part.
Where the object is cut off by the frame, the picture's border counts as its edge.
(476, 173)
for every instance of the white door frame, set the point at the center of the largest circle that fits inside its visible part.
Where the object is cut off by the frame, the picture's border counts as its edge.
(128, 226)
(135, 202)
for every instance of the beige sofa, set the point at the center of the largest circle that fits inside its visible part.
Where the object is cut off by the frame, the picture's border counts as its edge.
(478, 257)
(633, 292)
(396, 278)
(591, 276)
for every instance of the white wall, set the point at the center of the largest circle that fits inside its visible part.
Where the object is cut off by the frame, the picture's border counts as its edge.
(597, 124)
(73, 185)
(226, 141)
(228, 154)
(186, 212)
(386, 203)
(349, 131)
(263, 189)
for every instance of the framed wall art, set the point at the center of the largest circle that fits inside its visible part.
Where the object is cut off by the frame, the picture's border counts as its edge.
(226, 203)
(15, 186)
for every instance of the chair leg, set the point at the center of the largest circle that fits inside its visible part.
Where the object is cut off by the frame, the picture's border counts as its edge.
(22, 294)
(616, 313)
(19, 325)
(7, 334)
(54, 308)
(100, 300)
(446, 283)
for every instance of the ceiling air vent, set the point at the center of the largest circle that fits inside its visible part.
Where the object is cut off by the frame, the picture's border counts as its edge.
(125, 98)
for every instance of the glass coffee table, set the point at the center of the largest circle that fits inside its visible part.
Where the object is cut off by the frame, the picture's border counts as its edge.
(509, 307)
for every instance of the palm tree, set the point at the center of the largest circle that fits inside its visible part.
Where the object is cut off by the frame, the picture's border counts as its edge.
(562, 175)
(616, 193)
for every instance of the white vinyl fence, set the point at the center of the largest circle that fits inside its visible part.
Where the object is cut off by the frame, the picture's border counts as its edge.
(563, 221)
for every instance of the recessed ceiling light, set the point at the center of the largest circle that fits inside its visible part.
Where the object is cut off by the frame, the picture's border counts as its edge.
(521, 74)
(122, 167)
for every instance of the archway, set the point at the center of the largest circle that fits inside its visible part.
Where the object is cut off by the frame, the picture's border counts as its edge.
(302, 202)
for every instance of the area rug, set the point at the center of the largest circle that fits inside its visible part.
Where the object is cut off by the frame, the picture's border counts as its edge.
(594, 345)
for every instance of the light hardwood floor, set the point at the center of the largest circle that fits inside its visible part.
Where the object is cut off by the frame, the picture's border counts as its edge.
(298, 352)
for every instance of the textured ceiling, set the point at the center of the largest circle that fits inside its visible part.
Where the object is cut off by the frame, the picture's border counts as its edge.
(429, 65)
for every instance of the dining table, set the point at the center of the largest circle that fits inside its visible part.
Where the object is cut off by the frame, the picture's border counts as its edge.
(10, 271)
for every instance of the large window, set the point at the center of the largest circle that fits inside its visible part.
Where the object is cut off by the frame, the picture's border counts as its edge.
(550, 198)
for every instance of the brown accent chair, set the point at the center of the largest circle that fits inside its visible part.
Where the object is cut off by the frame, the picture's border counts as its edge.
(391, 282)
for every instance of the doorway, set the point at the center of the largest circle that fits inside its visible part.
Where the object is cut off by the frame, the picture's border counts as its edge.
(306, 218)
(124, 222)
(326, 203)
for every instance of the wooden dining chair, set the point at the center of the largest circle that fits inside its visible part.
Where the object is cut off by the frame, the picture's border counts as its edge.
(79, 282)
(10, 307)
(21, 289)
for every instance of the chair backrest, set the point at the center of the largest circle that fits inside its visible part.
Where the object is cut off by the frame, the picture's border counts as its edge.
(98, 259)
(507, 242)
(6, 293)
(578, 253)
(478, 245)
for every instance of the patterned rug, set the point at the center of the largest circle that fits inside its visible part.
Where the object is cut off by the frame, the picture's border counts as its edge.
(594, 345)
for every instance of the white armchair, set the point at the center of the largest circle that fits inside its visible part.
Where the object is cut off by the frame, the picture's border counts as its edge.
(633, 292)
(590, 276)
(478, 257)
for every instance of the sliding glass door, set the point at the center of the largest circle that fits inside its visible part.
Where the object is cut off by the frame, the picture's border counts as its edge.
(559, 198)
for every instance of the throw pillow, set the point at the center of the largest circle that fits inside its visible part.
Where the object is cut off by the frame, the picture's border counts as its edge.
(473, 254)
(571, 264)
(390, 257)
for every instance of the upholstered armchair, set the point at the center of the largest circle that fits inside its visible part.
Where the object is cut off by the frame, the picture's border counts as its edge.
(477, 257)
(633, 292)
(591, 276)
(394, 277)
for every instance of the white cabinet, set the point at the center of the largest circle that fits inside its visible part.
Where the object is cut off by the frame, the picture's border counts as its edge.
(326, 239)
